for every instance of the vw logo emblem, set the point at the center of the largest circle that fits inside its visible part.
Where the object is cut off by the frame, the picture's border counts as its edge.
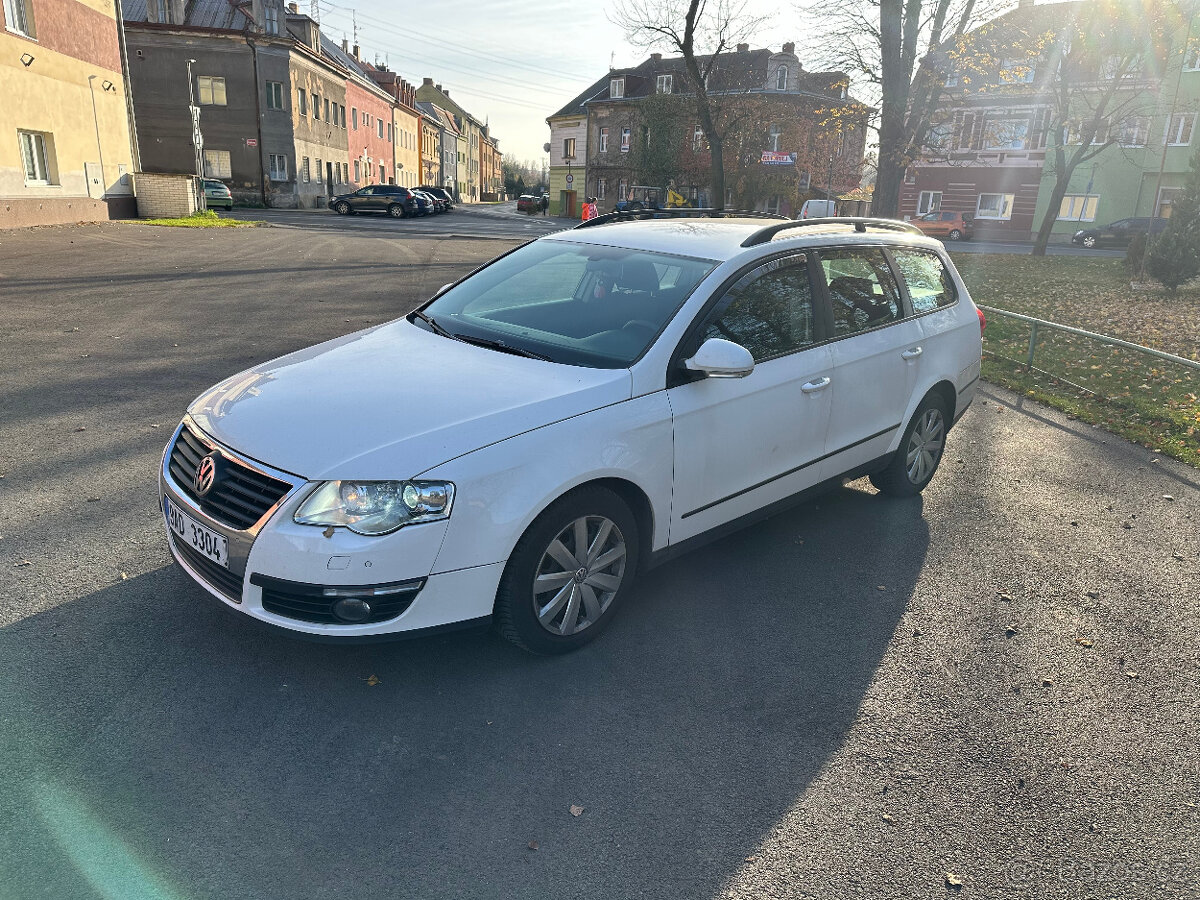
(206, 473)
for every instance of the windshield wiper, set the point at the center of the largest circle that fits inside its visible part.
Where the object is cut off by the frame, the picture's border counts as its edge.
(499, 345)
(437, 329)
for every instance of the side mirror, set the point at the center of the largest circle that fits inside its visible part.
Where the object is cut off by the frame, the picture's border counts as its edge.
(719, 358)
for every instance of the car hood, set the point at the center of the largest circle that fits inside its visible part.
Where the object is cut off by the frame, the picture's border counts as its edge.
(392, 402)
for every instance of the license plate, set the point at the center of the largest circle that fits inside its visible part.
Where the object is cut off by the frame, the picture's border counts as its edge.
(201, 539)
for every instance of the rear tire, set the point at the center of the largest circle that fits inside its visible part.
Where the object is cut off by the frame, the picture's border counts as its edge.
(921, 447)
(569, 573)
(955, 234)
(396, 211)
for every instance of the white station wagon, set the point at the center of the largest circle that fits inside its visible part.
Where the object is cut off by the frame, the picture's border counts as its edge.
(581, 407)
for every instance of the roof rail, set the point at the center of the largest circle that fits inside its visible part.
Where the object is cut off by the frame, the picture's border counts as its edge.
(860, 225)
(676, 212)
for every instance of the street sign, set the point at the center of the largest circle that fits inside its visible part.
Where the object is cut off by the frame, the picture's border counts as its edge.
(251, 142)
(570, 179)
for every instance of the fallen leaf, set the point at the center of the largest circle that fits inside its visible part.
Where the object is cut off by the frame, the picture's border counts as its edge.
(1168, 497)
(22, 564)
(328, 532)
(1011, 630)
(1007, 598)
(1046, 682)
(533, 845)
(887, 818)
(154, 426)
(953, 880)
(881, 587)
(124, 576)
(1131, 674)
(373, 680)
(576, 811)
(81, 428)
(1178, 556)
(1093, 595)
(751, 859)
(1083, 642)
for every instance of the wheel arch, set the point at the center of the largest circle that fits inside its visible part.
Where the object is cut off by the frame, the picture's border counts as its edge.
(944, 390)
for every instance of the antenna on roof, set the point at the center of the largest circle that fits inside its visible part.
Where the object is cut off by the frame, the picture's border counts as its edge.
(354, 21)
(314, 11)
(612, 59)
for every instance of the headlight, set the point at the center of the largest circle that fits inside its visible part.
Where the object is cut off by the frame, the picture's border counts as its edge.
(376, 507)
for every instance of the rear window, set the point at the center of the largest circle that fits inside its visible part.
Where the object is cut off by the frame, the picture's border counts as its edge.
(929, 284)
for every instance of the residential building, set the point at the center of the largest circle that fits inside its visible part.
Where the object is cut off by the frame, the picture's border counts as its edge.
(239, 85)
(66, 153)
(468, 126)
(447, 143)
(491, 181)
(641, 133)
(430, 137)
(992, 148)
(405, 123)
(370, 133)
(568, 151)
(320, 159)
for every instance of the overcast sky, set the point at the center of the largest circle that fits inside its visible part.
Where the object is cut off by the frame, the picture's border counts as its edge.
(510, 62)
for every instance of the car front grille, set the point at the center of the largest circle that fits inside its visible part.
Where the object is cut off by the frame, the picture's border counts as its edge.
(215, 576)
(239, 498)
(308, 603)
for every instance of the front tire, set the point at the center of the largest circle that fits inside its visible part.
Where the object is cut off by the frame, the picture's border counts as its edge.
(342, 209)
(955, 234)
(1089, 242)
(569, 573)
(921, 448)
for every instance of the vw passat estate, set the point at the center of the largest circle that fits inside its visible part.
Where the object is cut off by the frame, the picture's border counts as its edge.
(592, 402)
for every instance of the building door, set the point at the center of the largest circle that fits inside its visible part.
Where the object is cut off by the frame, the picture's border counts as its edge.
(329, 176)
(566, 204)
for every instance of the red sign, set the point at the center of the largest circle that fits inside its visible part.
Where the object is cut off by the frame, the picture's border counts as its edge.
(251, 142)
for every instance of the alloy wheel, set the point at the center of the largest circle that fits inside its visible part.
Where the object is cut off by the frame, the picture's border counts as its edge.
(579, 574)
(925, 446)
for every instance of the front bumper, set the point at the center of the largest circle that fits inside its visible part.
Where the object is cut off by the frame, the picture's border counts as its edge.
(278, 570)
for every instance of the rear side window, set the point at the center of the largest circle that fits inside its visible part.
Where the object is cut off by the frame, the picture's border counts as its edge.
(862, 291)
(929, 284)
(769, 310)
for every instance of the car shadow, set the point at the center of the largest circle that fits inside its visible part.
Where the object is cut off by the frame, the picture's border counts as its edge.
(154, 744)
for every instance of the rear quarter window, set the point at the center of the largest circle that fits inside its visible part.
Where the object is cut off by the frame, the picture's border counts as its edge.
(930, 286)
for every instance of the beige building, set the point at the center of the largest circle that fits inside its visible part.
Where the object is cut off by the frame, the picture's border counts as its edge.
(319, 116)
(65, 148)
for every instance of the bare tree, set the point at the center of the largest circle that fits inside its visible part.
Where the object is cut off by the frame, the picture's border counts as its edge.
(902, 50)
(1103, 65)
(699, 31)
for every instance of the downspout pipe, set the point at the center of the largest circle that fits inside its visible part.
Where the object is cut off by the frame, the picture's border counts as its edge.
(136, 161)
(262, 172)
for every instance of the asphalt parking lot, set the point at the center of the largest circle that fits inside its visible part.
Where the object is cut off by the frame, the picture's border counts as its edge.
(997, 682)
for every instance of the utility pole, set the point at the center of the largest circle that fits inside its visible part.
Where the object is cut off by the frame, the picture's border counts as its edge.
(197, 139)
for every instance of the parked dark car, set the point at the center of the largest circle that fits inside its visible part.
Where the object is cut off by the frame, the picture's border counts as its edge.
(425, 204)
(440, 193)
(217, 194)
(527, 203)
(435, 205)
(1119, 233)
(635, 205)
(392, 199)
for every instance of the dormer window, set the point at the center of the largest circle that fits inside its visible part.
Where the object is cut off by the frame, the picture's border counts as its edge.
(663, 84)
(781, 78)
(773, 137)
(271, 20)
(616, 88)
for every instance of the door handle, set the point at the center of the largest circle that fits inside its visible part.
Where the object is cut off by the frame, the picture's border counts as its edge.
(820, 384)
(912, 352)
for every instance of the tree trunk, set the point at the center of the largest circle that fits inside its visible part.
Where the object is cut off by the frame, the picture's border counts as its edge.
(892, 108)
(717, 151)
(1062, 179)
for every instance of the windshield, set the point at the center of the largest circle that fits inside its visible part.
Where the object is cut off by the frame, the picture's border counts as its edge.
(578, 304)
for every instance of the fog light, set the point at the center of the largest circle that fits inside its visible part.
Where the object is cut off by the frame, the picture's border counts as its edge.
(352, 609)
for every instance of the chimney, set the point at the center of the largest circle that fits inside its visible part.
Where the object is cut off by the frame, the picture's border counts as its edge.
(444, 91)
(437, 87)
(426, 81)
(656, 57)
(356, 52)
(743, 48)
(345, 46)
(789, 47)
(294, 9)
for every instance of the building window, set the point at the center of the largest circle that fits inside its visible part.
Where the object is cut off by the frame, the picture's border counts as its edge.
(1166, 201)
(37, 152)
(781, 78)
(274, 95)
(603, 140)
(697, 139)
(1005, 134)
(211, 90)
(663, 84)
(357, 170)
(773, 137)
(1135, 132)
(389, 136)
(964, 131)
(624, 140)
(305, 170)
(1180, 128)
(162, 11)
(994, 206)
(1078, 208)
(320, 173)
(568, 148)
(951, 79)
(216, 164)
(342, 116)
(379, 127)
(382, 175)
(1191, 56)
(354, 118)
(622, 190)
(804, 182)
(600, 185)
(616, 88)
(316, 104)
(301, 102)
(271, 22)
(279, 167)
(18, 14)
(328, 118)
(1014, 71)
(929, 201)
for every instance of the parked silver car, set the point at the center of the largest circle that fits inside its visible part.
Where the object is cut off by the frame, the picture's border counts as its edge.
(217, 194)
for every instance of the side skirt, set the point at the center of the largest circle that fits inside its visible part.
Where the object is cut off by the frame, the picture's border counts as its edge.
(666, 554)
